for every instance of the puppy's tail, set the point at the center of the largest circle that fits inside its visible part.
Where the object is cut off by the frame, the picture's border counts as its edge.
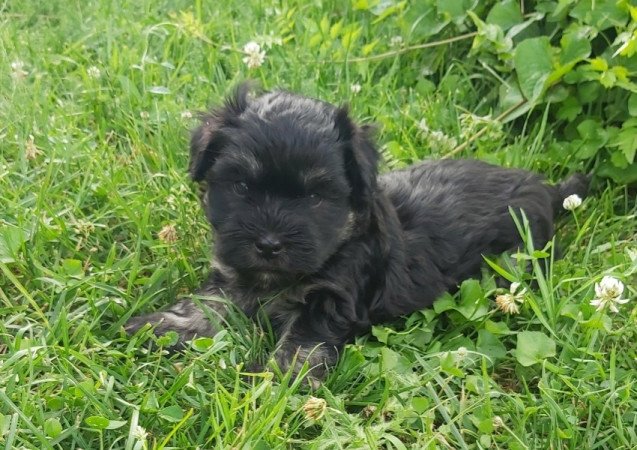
(577, 184)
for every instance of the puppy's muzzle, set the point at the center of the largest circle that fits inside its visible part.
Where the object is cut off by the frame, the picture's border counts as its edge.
(269, 246)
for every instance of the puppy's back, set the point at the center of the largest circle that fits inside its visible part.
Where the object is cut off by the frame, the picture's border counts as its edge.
(455, 211)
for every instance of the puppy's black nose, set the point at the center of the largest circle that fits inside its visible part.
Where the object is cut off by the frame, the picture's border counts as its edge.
(268, 246)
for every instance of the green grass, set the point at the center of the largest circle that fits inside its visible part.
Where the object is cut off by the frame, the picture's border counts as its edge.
(80, 252)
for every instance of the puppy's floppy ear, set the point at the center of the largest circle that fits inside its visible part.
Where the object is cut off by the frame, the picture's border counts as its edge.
(208, 139)
(361, 162)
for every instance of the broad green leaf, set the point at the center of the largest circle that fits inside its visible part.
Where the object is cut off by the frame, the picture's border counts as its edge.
(627, 42)
(382, 333)
(361, 5)
(619, 160)
(335, 29)
(586, 149)
(532, 61)
(496, 327)
(444, 303)
(260, 445)
(570, 109)
(115, 424)
(486, 425)
(52, 427)
(608, 79)
(350, 36)
(453, 9)
(73, 268)
(594, 137)
(420, 404)
(632, 104)
(389, 358)
(150, 403)
(393, 361)
(473, 303)
(325, 25)
(203, 343)
(588, 92)
(11, 240)
(97, 422)
(425, 15)
(367, 49)
(385, 8)
(505, 14)
(575, 45)
(533, 347)
(590, 129)
(168, 340)
(599, 64)
(448, 364)
(489, 345)
(626, 175)
(626, 141)
(599, 322)
(171, 413)
(601, 14)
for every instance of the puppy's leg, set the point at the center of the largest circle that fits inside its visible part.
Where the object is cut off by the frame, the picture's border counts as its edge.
(316, 335)
(293, 352)
(188, 318)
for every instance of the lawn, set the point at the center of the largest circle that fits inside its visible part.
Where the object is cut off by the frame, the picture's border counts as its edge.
(99, 221)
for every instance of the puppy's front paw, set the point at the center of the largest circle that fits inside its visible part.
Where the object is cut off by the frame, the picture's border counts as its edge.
(184, 318)
(291, 357)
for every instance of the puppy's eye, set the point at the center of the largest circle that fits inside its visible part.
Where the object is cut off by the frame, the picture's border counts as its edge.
(315, 198)
(240, 188)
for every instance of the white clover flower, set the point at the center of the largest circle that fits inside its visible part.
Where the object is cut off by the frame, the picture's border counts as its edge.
(461, 353)
(255, 57)
(17, 70)
(144, 115)
(186, 115)
(314, 408)
(471, 123)
(396, 41)
(31, 151)
(572, 202)
(93, 72)
(608, 294)
(355, 88)
(498, 422)
(140, 434)
(83, 227)
(168, 234)
(442, 139)
(423, 126)
(437, 135)
(508, 303)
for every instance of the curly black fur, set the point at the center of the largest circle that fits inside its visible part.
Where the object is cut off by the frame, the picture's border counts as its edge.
(307, 231)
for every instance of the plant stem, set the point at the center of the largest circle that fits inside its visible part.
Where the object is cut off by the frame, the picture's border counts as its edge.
(483, 130)
(411, 48)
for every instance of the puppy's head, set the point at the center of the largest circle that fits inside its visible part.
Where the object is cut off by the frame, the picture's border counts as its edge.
(289, 179)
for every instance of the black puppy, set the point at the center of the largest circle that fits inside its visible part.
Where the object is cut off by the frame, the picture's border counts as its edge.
(309, 233)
